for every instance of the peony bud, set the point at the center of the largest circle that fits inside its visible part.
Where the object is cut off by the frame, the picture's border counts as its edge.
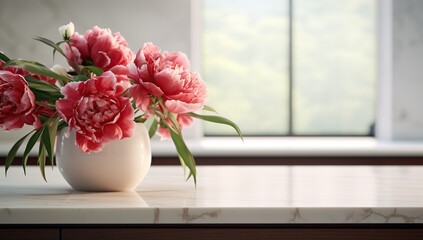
(67, 30)
(59, 70)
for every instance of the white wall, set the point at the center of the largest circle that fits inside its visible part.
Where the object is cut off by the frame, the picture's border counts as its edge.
(407, 85)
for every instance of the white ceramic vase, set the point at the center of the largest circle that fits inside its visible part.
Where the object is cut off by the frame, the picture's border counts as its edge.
(120, 166)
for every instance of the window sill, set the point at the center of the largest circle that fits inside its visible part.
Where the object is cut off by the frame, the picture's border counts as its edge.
(292, 146)
(280, 146)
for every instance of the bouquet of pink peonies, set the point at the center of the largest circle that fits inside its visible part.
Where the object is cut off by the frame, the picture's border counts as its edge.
(104, 92)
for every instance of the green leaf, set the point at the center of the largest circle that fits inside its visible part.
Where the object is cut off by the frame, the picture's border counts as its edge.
(153, 128)
(12, 153)
(42, 160)
(39, 69)
(184, 154)
(218, 119)
(53, 133)
(45, 140)
(183, 165)
(208, 108)
(140, 119)
(51, 44)
(4, 58)
(62, 124)
(54, 53)
(172, 117)
(45, 96)
(44, 119)
(30, 145)
(79, 78)
(41, 85)
(44, 71)
(60, 42)
(96, 70)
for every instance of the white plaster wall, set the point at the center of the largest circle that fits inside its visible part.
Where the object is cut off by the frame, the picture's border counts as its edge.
(163, 22)
(407, 70)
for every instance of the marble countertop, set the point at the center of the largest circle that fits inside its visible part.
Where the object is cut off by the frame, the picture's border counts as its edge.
(224, 194)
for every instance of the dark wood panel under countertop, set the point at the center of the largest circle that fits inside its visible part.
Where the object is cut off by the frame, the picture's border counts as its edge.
(277, 160)
(30, 233)
(242, 234)
(212, 232)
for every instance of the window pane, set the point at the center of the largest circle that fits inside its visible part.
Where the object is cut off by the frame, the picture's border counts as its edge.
(245, 64)
(334, 63)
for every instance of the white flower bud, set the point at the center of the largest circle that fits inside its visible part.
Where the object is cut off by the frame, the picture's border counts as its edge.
(59, 70)
(67, 30)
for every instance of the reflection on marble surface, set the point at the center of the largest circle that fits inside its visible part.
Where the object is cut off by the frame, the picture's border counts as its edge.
(58, 197)
(225, 194)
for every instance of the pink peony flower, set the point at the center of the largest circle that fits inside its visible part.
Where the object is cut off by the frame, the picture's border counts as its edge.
(17, 102)
(96, 112)
(78, 51)
(122, 80)
(100, 47)
(168, 76)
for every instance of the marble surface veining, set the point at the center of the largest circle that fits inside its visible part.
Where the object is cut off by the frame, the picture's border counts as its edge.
(224, 194)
